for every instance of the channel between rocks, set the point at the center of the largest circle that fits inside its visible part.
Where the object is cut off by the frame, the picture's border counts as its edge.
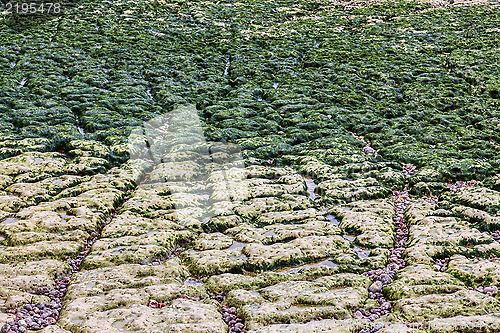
(385, 276)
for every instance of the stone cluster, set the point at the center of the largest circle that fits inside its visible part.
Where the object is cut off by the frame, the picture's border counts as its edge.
(409, 169)
(385, 276)
(490, 291)
(454, 187)
(230, 315)
(441, 264)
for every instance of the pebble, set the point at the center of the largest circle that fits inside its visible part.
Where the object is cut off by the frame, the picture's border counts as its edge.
(386, 279)
(492, 291)
(376, 287)
(358, 315)
(369, 150)
(385, 306)
(461, 184)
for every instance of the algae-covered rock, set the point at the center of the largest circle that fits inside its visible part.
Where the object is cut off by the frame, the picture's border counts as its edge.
(369, 221)
(45, 189)
(339, 190)
(304, 292)
(214, 241)
(474, 272)
(462, 302)
(418, 280)
(275, 233)
(34, 163)
(100, 280)
(343, 280)
(255, 207)
(132, 224)
(435, 236)
(326, 325)
(476, 216)
(287, 217)
(210, 262)
(241, 297)
(297, 251)
(346, 93)
(478, 323)
(221, 223)
(21, 299)
(225, 282)
(134, 249)
(479, 197)
(181, 316)
(41, 250)
(88, 148)
(174, 171)
(267, 313)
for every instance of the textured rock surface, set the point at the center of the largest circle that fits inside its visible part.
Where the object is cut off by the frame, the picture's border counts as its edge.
(194, 166)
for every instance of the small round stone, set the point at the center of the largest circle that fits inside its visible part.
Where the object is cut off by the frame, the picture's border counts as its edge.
(376, 287)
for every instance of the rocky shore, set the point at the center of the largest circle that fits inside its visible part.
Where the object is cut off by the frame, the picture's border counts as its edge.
(256, 167)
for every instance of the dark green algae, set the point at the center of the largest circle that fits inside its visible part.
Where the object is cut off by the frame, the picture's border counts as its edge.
(279, 78)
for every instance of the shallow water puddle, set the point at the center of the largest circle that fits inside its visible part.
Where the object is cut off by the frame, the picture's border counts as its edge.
(362, 254)
(237, 246)
(119, 324)
(192, 282)
(269, 233)
(23, 82)
(228, 63)
(332, 219)
(311, 186)
(350, 238)
(90, 284)
(148, 91)
(65, 216)
(118, 249)
(9, 220)
(204, 194)
(295, 270)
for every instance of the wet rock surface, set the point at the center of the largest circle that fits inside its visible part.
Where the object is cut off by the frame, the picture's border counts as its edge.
(250, 167)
